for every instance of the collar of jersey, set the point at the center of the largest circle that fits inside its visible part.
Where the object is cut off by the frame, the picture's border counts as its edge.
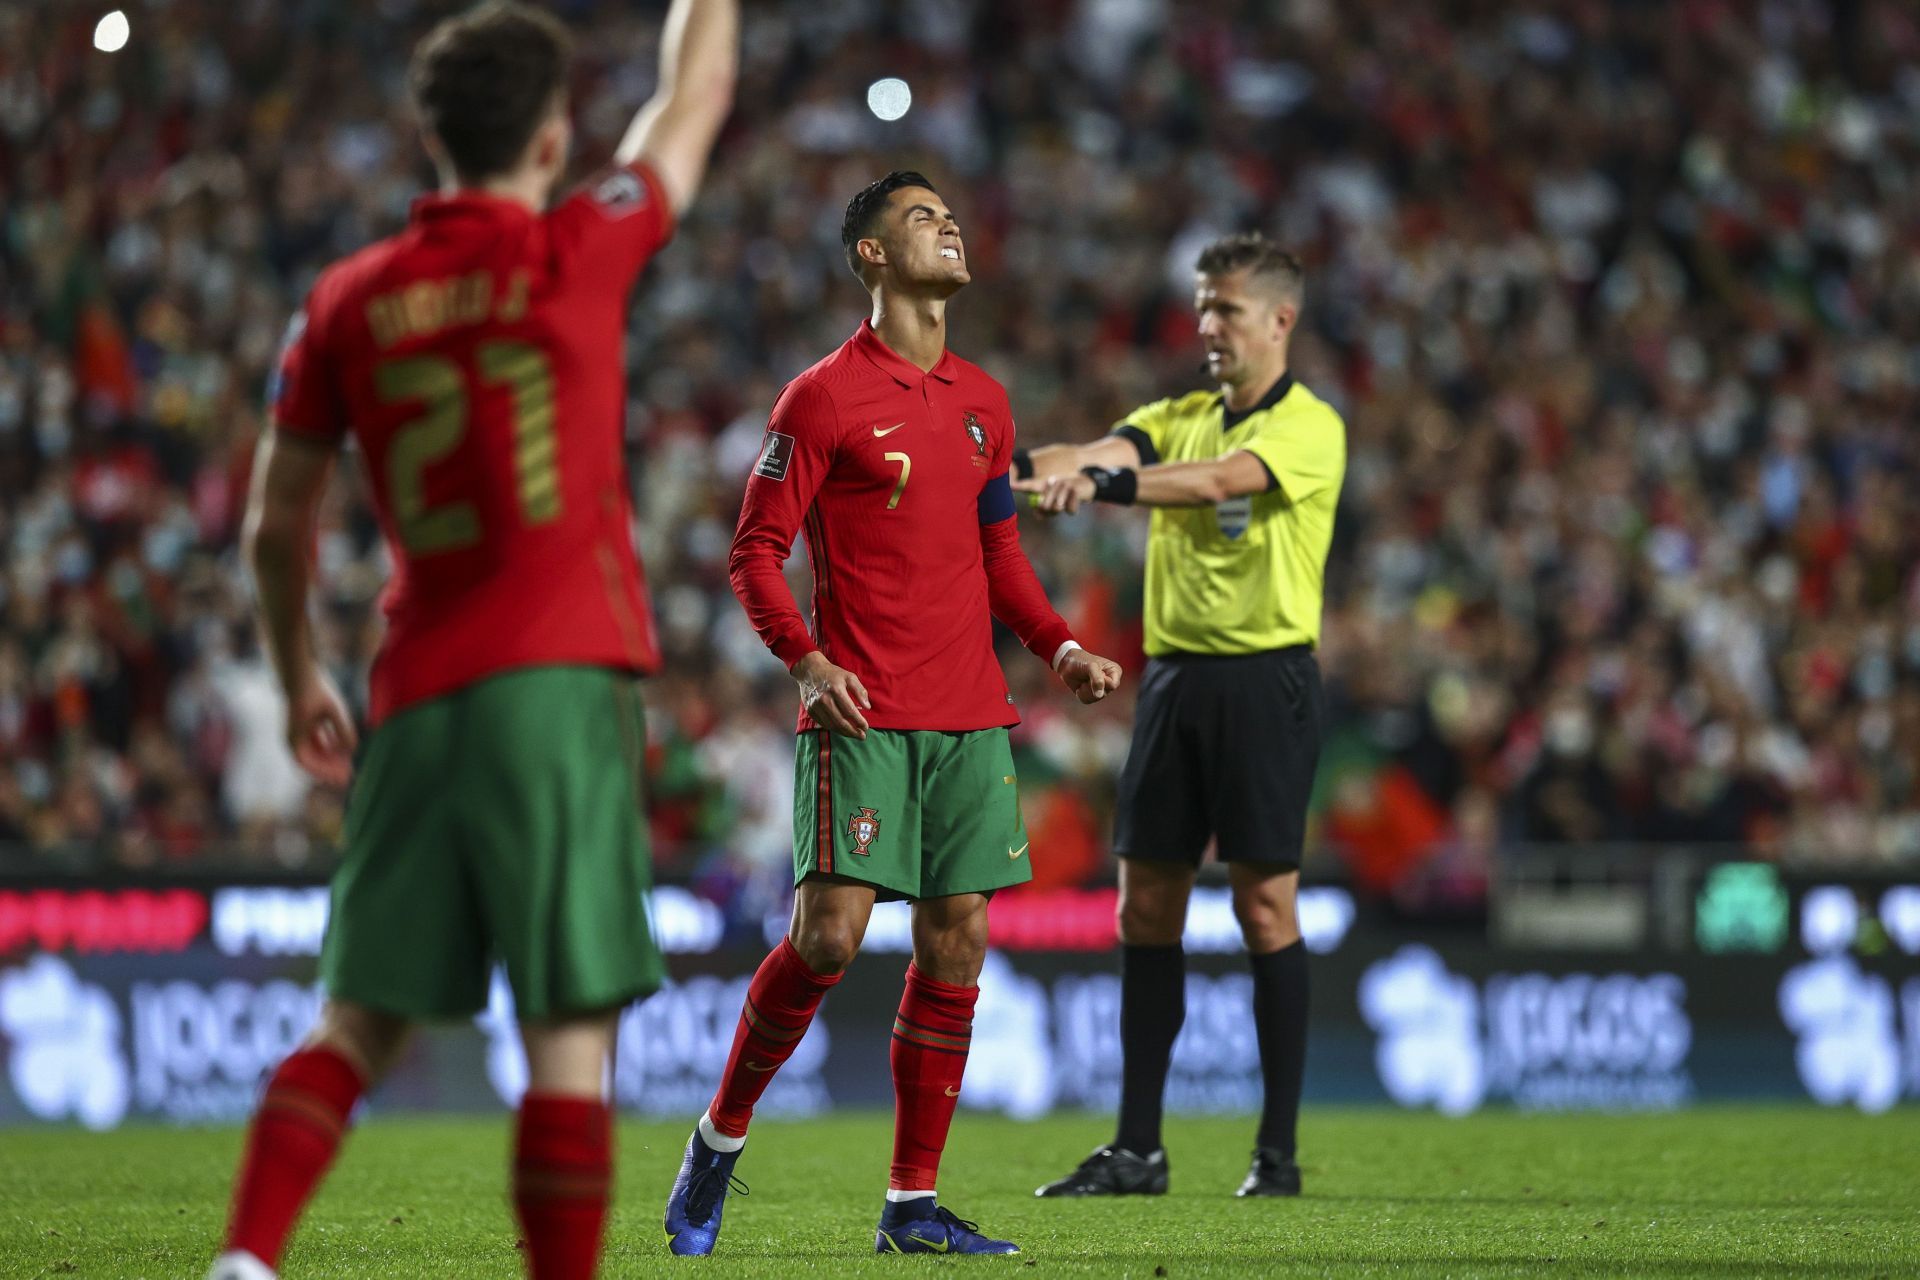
(1275, 394)
(468, 202)
(896, 366)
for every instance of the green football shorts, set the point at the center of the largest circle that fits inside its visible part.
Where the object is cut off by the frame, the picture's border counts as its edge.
(500, 823)
(914, 813)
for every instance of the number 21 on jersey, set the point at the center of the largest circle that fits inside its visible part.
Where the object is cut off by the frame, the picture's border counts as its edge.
(440, 386)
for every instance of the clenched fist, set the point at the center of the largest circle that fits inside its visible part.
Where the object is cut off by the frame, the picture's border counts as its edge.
(1090, 676)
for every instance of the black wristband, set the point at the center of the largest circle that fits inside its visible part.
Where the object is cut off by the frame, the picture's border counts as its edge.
(1113, 484)
(1022, 465)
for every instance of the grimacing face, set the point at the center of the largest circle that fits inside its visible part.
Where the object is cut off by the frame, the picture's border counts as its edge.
(922, 240)
(1244, 325)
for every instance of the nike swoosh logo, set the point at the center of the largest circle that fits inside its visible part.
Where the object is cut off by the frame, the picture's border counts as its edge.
(952, 1092)
(938, 1246)
(887, 431)
(754, 1066)
(1013, 855)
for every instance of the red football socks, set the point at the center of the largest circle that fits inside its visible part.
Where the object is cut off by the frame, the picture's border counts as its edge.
(295, 1134)
(781, 1002)
(929, 1054)
(562, 1173)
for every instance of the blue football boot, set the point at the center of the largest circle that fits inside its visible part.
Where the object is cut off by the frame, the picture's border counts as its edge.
(922, 1226)
(699, 1195)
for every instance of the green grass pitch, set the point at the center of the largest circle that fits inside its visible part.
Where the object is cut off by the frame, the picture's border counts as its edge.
(1717, 1192)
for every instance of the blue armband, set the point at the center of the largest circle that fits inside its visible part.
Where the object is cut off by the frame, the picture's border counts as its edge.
(996, 500)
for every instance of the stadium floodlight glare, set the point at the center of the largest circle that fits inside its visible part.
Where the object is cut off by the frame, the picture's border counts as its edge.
(111, 32)
(889, 98)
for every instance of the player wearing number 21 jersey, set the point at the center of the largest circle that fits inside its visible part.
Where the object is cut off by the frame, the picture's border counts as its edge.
(478, 357)
(890, 457)
(476, 360)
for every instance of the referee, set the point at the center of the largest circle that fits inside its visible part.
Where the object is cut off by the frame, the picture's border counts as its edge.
(1243, 481)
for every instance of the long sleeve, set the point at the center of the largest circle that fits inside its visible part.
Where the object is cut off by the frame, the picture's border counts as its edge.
(792, 465)
(1014, 592)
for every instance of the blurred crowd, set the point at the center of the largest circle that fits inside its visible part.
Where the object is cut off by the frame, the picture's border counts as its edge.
(1621, 303)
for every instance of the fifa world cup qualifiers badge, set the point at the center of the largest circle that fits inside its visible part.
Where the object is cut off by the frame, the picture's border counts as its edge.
(863, 827)
(775, 453)
(620, 193)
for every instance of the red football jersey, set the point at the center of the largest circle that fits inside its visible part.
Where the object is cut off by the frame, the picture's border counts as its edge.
(900, 478)
(477, 359)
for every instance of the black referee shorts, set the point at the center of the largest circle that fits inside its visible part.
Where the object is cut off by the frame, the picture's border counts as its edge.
(1223, 747)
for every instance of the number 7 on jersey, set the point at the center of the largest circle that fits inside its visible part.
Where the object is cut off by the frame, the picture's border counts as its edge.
(900, 487)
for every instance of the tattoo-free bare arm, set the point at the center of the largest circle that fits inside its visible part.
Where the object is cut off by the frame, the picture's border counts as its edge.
(290, 476)
(1202, 484)
(699, 63)
(1065, 459)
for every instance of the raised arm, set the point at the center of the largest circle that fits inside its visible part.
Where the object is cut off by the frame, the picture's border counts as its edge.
(699, 62)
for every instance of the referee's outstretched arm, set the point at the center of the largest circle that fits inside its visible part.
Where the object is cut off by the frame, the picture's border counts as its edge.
(1171, 484)
(1066, 459)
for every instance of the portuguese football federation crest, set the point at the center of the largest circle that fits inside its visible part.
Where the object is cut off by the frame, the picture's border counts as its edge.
(863, 827)
(975, 432)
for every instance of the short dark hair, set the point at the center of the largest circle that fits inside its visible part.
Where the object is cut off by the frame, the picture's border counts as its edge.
(484, 80)
(864, 210)
(1251, 251)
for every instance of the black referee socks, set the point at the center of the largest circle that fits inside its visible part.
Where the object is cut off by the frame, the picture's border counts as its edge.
(1153, 1004)
(1280, 1023)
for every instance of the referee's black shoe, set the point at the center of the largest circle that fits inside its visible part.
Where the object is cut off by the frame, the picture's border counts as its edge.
(1273, 1174)
(1113, 1171)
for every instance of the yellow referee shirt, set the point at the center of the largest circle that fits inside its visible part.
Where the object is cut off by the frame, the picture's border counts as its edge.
(1246, 575)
